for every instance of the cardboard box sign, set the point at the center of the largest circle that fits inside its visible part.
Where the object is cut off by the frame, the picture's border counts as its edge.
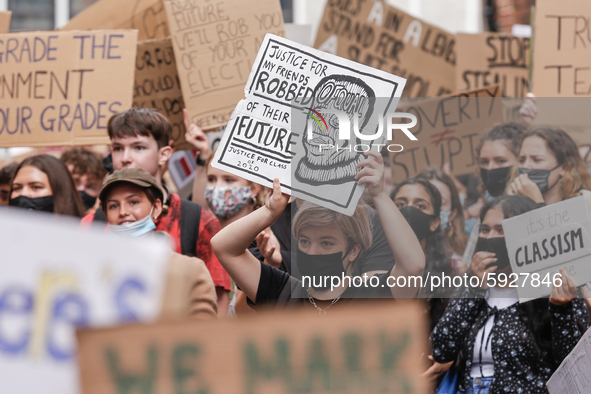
(573, 374)
(543, 241)
(54, 277)
(493, 58)
(215, 44)
(146, 16)
(488, 91)
(371, 348)
(562, 49)
(447, 131)
(570, 114)
(5, 21)
(272, 133)
(381, 36)
(157, 86)
(61, 88)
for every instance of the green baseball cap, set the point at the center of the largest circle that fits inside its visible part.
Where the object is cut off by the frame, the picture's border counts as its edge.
(136, 176)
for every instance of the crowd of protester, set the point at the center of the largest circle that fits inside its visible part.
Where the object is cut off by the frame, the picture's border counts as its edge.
(232, 241)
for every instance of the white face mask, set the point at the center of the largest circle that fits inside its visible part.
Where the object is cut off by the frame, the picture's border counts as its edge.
(137, 228)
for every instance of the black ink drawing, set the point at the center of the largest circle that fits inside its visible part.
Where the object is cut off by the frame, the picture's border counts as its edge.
(328, 159)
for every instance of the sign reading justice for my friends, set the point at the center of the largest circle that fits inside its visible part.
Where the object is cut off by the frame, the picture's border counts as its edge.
(322, 109)
(61, 88)
(543, 241)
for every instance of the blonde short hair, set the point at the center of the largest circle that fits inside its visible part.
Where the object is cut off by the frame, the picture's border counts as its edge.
(357, 228)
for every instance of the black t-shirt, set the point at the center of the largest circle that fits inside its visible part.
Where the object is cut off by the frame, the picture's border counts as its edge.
(379, 256)
(278, 288)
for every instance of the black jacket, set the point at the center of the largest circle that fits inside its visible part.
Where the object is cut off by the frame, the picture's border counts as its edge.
(519, 366)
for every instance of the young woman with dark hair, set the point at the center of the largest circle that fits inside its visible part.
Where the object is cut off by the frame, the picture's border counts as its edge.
(43, 183)
(497, 155)
(501, 345)
(451, 214)
(420, 203)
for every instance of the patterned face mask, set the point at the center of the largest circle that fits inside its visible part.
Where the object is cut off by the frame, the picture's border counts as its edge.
(226, 202)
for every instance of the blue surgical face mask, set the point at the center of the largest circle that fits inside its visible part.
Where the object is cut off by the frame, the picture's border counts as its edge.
(135, 229)
(444, 215)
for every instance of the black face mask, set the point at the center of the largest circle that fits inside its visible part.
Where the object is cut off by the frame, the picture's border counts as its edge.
(497, 246)
(44, 204)
(320, 265)
(418, 220)
(495, 180)
(87, 200)
(539, 177)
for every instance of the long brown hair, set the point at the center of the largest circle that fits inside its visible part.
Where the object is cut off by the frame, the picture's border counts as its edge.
(566, 152)
(455, 233)
(66, 200)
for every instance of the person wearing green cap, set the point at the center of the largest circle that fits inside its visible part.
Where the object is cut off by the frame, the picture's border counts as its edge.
(132, 200)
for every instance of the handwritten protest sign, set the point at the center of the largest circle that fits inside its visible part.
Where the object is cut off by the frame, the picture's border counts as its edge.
(60, 88)
(157, 86)
(5, 21)
(289, 86)
(488, 91)
(53, 277)
(574, 374)
(562, 49)
(447, 131)
(215, 43)
(492, 58)
(543, 241)
(370, 348)
(146, 16)
(383, 37)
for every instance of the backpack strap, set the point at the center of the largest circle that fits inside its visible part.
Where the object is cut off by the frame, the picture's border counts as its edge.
(189, 226)
(99, 216)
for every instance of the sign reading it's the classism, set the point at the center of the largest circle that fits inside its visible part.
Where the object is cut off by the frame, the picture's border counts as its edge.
(543, 241)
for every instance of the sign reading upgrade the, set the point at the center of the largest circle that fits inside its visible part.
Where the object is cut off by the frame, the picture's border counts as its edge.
(542, 242)
(60, 88)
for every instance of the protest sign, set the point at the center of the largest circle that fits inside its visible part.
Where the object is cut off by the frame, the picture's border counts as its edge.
(492, 58)
(5, 21)
(157, 86)
(215, 44)
(381, 36)
(289, 83)
(60, 88)
(562, 49)
(487, 91)
(574, 374)
(543, 241)
(146, 16)
(369, 348)
(54, 277)
(570, 114)
(448, 131)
